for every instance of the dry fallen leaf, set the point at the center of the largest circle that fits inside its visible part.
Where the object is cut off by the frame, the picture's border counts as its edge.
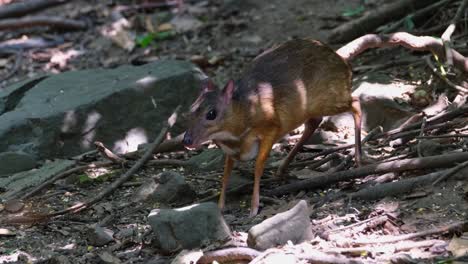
(459, 245)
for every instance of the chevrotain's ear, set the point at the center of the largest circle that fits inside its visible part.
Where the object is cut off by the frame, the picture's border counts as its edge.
(228, 92)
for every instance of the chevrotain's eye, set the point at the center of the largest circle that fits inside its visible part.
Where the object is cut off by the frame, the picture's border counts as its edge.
(211, 115)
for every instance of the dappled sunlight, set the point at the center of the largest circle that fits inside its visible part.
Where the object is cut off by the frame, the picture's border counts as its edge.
(94, 173)
(133, 138)
(15, 256)
(146, 83)
(69, 121)
(302, 90)
(59, 59)
(265, 98)
(391, 90)
(89, 131)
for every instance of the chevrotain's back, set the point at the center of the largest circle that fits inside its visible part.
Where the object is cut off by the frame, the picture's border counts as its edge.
(305, 79)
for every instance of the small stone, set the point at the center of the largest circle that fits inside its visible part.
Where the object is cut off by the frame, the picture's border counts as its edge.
(293, 225)
(184, 23)
(125, 233)
(167, 187)
(107, 258)
(14, 206)
(99, 236)
(188, 227)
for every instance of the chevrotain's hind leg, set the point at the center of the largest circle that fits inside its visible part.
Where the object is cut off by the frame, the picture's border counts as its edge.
(310, 126)
(357, 114)
(228, 164)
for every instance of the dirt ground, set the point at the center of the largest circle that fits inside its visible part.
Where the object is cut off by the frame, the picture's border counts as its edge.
(232, 33)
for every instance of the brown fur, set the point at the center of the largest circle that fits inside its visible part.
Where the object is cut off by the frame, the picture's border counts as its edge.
(294, 83)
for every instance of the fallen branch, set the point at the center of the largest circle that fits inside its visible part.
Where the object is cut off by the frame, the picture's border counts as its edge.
(403, 137)
(374, 19)
(15, 45)
(123, 178)
(420, 43)
(380, 219)
(241, 188)
(431, 162)
(401, 246)
(391, 239)
(229, 255)
(395, 188)
(108, 154)
(450, 172)
(416, 16)
(38, 21)
(444, 136)
(444, 78)
(449, 31)
(423, 125)
(63, 175)
(311, 256)
(439, 118)
(18, 9)
(173, 144)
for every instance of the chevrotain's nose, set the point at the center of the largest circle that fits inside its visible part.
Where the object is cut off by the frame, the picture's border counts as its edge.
(187, 141)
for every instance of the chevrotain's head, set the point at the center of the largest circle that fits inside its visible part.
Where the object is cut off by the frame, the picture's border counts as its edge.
(208, 113)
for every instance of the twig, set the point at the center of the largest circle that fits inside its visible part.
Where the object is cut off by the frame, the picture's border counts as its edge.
(421, 43)
(123, 178)
(173, 144)
(419, 14)
(15, 45)
(64, 174)
(395, 188)
(313, 164)
(450, 172)
(427, 128)
(229, 255)
(108, 154)
(392, 239)
(370, 21)
(242, 187)
(449, 31)
(379, 218)
(443, 136)
(423, 125)
(172, 162)
(431, 162)
(401, 246)
(145, 6)
(37, 21)
(444, 78)
(26, 7)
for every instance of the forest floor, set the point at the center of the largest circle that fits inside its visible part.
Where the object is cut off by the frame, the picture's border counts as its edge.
(229, 35)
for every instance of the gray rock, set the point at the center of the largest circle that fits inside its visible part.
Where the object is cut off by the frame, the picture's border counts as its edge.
(63, 115)
(188, 227)
(208, 160)
(99, 236)
(167, 187)
(23, 180)
(430, 148)
(293, 225)
(108, 258)
(382, 104)
(13, 162)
